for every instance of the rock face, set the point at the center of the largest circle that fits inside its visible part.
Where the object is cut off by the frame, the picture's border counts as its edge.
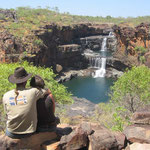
(71, 56)
(62, 46)
(130, 38)
(65, 45)
(11, 15)
(94, 43)
(11, 49)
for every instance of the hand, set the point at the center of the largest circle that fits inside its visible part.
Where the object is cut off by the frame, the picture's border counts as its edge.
(48, 91)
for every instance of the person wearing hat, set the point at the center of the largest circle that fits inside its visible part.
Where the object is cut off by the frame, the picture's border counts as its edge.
(20, 105)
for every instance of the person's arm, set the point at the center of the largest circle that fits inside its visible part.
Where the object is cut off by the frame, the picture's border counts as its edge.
(53, 100)
(40, 93)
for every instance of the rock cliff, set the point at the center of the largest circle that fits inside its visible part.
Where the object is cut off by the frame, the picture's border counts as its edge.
(131, 43)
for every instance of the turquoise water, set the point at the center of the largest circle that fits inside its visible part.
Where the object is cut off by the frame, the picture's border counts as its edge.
(94, 89)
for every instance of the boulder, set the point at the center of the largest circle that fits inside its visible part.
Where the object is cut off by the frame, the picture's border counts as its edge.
(138, 133)
(33, 142)
(141, 116)
(77, 139)
(121, 140)
(138, 146)
(59, 68)
(102, 139)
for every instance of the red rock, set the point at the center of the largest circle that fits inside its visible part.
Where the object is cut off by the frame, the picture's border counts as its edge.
(53, 146)
(138, 146)
(33, 142)
(102, 139)
(138, 133)
(121, 140)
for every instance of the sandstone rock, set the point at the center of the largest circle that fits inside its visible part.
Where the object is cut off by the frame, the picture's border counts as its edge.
(121, 140)
(59, 68)
(8, 14)
(142, 115)
(141, 118)
(53, 146)
(10, 47)
(77, 139)
(102, 139)
(138, 133)
(138, 146)
(129, 38)
(33, 142)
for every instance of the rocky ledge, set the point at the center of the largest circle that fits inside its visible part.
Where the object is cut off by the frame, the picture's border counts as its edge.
(88, 136)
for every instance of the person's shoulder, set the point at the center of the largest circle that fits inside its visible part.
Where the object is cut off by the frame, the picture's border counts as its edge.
(8, 93)
(32, 89)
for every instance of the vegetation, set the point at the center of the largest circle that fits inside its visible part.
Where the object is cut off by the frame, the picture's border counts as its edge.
(141, 52)
(29, 19)
(132, 89)
(130, 92)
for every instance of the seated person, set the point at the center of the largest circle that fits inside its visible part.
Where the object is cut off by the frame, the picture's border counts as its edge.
(20, 105)
(45, 107)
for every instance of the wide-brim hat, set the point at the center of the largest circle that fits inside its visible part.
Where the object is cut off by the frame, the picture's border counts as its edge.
(20, 75)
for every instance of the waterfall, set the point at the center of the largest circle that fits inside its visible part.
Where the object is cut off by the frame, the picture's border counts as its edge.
(111, 34)
(102, 70)
(95, 62)
(103, 48)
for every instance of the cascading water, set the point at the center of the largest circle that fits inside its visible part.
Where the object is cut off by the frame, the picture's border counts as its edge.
(104, 44)
(102, 70)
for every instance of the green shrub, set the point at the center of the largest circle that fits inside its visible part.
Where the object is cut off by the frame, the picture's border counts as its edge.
(141, 49)
(130, 92)
(142, 59)
(132, 89)
(38, 42)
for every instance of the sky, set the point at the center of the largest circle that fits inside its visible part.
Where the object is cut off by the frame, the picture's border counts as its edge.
(114, 8)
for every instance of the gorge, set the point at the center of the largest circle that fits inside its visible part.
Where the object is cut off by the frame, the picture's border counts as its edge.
(80, 53)
(78, 47)
(94, 87)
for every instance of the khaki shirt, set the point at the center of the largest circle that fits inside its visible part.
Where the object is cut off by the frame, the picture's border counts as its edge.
(22, 117)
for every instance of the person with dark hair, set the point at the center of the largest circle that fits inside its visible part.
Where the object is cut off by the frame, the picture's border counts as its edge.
(20, 105)
(45, 107)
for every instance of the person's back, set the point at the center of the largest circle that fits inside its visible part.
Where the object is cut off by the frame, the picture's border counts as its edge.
(22, 116)
(45, 114)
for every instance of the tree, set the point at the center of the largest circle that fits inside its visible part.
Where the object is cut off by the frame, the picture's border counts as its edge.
(132, 90)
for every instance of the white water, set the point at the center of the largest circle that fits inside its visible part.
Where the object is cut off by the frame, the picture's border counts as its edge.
(103, 48)
(102, 70)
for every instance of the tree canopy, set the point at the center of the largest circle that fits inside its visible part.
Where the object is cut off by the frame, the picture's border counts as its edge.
(132, 89)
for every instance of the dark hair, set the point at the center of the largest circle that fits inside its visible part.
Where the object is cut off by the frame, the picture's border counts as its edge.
(37, 82)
